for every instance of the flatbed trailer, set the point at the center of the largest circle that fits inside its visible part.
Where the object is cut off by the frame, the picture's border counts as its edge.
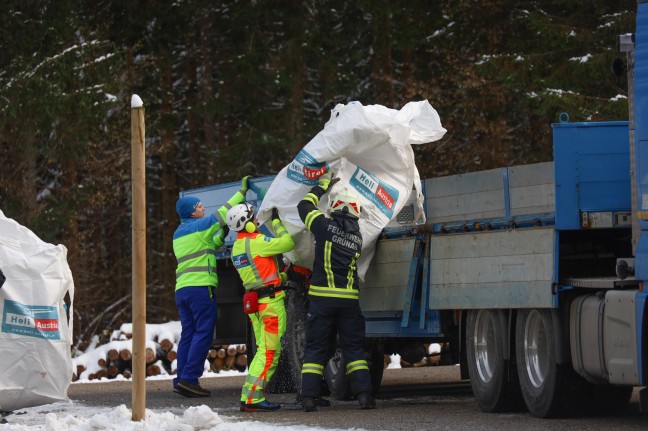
(533, 275)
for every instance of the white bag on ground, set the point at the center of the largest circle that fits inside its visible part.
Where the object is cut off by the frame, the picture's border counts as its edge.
(369, 149)
(35, 335)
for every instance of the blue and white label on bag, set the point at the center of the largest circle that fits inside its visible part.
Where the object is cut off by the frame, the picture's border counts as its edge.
(383, 196)
(305, 169)
(40, 321)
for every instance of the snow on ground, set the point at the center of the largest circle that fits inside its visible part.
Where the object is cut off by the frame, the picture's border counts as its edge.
(74, 416)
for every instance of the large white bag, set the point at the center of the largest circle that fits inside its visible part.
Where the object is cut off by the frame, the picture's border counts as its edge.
(35, 334)
(369, 149)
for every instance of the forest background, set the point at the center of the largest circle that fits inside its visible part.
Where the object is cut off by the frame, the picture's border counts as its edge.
(238, 87)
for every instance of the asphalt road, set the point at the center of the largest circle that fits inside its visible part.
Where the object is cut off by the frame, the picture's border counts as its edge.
(430, 398)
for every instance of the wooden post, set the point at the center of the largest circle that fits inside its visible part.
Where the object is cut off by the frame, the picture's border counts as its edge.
(138, 171)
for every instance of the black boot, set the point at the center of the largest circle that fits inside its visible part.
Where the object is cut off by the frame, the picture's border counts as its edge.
(190, 389)
(366, 400)
(322, 402)
(308, 403)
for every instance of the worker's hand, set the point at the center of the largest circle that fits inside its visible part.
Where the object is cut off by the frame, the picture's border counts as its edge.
(275, 214)
(325, 181)
(219, 238)
(245, 183)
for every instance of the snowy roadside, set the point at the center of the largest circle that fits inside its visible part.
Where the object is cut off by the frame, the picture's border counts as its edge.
(75, 416)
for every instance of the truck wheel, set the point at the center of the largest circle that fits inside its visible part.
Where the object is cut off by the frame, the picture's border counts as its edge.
(294, 341)
(549, 389)
(493, 379)
(287, 377)
(335, 371)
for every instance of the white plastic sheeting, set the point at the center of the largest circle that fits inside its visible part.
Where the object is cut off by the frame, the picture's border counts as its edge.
(35, 334)
(370, 149)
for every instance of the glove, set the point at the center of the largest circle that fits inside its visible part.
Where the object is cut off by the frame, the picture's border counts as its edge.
(324, 181)
(275, 214)
(327, 181)
(222, 234)
(245, 184)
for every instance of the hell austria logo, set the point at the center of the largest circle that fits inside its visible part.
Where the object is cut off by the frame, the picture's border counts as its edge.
(40, 321)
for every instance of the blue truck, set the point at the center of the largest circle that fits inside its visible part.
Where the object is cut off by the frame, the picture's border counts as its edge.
(533, 274)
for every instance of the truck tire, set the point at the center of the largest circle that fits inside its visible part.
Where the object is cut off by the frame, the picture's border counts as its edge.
(294, 341)
(536, 357)
(493, 379)
(337, 380)
(287, 377)
(549, 389)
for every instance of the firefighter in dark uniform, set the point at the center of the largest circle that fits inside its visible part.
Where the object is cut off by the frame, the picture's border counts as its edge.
(333, 294)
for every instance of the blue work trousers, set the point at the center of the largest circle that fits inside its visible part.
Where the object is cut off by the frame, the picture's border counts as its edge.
(198, 311)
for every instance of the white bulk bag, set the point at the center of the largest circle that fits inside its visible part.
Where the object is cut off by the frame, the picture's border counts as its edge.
(35, 335)
(369, 148)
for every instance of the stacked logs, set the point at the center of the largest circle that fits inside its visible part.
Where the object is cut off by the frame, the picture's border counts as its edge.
(160, 359)
(228, 357)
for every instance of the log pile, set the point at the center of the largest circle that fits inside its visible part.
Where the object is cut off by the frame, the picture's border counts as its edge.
(228, 357)
(115, 359)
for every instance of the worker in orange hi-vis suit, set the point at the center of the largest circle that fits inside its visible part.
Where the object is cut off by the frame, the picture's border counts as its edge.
(254, 256)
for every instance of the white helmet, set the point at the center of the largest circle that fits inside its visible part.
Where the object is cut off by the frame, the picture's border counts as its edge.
(239, 215)
(347, 202)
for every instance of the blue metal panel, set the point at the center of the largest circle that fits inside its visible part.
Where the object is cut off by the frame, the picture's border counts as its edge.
(379, 324)
(591, 169)
(565, 178)
(213, 197)
(641, 74)
(641, 137)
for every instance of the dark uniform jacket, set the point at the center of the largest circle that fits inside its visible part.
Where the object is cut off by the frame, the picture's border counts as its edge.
(338, 242)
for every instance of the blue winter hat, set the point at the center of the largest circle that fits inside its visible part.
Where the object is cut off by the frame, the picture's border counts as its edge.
(186, 206)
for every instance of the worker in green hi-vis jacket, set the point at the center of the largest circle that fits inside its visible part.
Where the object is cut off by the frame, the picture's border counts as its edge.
(195, 243)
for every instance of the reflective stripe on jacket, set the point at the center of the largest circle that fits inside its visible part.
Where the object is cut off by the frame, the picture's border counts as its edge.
(338, 243)
(254, 256)
(195, 243)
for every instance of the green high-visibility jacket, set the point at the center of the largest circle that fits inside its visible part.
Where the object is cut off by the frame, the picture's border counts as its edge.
(195, 243)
